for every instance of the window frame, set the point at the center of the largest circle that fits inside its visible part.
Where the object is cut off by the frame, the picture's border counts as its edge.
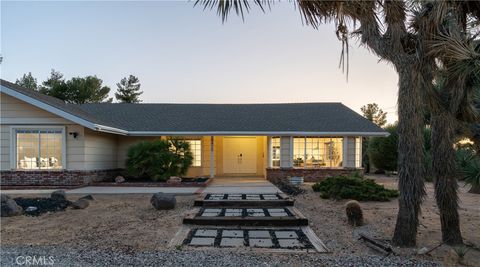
(201, 152)
(13, 145)
(279, 152)
(305, 152)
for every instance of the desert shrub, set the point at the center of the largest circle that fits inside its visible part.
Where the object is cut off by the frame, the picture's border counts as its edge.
(159, 159)
(342, 187)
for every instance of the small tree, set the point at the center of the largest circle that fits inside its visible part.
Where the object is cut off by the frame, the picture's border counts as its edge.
(129, 90)
(28, 81)
(159, 159)
(374, 114)
(77, 90)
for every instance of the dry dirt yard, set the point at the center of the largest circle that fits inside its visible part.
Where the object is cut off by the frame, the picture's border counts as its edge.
(327, 218)
(128, 224)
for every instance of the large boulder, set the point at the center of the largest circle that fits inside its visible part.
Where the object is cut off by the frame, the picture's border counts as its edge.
(163, 201)
(80, 204)
(58, 195)
(9, 207)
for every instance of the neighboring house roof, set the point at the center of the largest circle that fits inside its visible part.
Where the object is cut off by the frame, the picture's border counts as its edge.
(214, 119)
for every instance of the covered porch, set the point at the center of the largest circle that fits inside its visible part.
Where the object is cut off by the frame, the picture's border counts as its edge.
(274, 157)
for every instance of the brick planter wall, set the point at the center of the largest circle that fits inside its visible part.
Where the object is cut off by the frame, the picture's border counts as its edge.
(309, 175)
(55, 177)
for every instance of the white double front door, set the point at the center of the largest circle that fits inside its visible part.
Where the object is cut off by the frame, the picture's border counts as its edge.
(240, 155)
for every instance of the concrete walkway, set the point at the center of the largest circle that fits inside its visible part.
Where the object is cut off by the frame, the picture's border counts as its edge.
(226, 185)
(245, 185)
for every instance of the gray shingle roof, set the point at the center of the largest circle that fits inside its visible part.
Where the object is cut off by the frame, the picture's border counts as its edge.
(299, 117)
(292, 117)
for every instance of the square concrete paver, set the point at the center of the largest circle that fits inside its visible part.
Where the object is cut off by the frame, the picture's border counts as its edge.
(276, 210)
(258, 234)
(233, 214)
(232, 233)
(233, 210)
(290, 243)
(232, 242)
(264, 243)
(208, 214)
(254, 210)
(212, 210)
(256, 214)
(278, 214)
(202, 241)
(286, 234)
(210, 233)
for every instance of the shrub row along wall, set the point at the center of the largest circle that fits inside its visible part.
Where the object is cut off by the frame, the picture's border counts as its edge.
(60, 177)
(309, 175)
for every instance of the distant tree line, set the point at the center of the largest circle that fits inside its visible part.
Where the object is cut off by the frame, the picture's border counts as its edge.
(81, 90)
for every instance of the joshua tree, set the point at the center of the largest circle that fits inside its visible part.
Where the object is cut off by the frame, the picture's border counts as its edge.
(454, 58)
(384, 30)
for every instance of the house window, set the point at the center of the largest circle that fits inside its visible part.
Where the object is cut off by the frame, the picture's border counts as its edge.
(196, 149)
(358, 152)
(275, 151)
(317, 152)
(39, 149)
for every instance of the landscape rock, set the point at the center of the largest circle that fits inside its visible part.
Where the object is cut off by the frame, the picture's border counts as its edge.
(87, 197)
(422, 251)
(174, 180)
(58, 195)
(80, 204)
(31, 208)
(9, 207)
(163, 201)
(119, 179)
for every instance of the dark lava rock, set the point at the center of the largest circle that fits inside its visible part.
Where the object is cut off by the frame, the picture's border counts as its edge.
(9, 207)
(43, 205)
(163, 201)
(80, 204)
(58, 195)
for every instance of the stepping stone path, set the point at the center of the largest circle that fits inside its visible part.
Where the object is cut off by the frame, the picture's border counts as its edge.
(267, 221)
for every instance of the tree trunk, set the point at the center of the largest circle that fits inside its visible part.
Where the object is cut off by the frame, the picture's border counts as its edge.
(443, 166)
(410, 156)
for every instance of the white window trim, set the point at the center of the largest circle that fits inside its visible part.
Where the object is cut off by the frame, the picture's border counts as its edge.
(305, 151)
(13, 145)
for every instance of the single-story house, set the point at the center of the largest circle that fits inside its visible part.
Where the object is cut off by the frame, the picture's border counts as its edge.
(45, 141)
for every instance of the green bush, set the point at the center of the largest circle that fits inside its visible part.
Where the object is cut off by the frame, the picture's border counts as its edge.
(159, 159)
(468, 168)
(342, 187)
(383, 151)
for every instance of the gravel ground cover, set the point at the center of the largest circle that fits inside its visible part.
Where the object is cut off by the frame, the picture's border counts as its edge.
(84, 257)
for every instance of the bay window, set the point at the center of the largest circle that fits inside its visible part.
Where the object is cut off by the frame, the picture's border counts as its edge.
(39, 149)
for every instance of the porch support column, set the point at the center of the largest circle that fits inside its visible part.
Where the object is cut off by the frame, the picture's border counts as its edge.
(345, 152)
(212, 157)
(269, 151)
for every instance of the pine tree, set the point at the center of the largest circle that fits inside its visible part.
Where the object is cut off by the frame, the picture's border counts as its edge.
(28, 81)
(129, 90)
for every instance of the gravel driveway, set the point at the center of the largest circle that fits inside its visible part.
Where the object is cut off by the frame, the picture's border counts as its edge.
(86, 257)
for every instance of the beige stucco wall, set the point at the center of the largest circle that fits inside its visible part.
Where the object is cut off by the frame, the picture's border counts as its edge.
(88, 151)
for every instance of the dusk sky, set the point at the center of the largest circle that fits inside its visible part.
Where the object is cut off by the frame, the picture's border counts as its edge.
(183, 54)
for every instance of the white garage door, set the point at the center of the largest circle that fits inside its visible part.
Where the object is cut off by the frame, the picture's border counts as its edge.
(240, 155)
